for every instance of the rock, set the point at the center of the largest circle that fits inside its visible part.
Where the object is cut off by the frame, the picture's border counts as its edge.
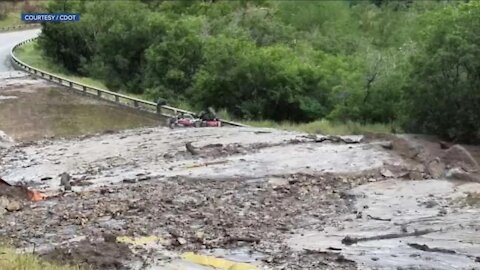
(130, 180)
(192, 149)
(114, 209)
(168, 156)
(436, 168)
(65, 181)
(13, 206)
(181, 241)
(186, 199)
(460, 174)
(4, 202)
(405, 148)
(458, 156)
(5, 140)
(431, 203)
(444, 145)
(387, 145)
(277, 181)
(2, 211)
(104, 191)
(144, 178)
(387, 173)
(200, 235)
(415, 175)
(109, 238)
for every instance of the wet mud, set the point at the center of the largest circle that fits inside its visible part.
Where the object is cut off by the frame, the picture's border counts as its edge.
(289, 201)
(97, 255)
(32, 109)
(190, 214)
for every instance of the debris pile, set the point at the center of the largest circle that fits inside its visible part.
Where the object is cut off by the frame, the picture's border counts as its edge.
(99, 255)
(191, 215)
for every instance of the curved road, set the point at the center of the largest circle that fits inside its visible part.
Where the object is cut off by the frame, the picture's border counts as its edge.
(10, 39)
(33, 109)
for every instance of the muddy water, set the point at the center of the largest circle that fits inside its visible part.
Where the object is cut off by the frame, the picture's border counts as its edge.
(30, 113)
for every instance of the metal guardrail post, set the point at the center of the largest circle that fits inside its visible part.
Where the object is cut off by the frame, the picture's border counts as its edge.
(99, 93)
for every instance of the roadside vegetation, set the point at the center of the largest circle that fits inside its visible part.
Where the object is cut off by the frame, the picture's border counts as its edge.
(9, 260)
(10, 11)
(327, 127)
(31, 54)
(361, 64)
(10, 19)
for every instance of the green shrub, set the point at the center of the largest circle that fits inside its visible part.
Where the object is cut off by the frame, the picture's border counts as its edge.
(443, 96)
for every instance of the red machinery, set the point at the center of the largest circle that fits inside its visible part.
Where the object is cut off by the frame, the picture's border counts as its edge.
(187, 120)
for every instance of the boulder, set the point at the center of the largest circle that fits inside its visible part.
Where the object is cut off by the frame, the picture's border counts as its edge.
(14, 206)
(405, 148)
(5, 140)
(460, 174)
(9, 204)
(436, 168)
(4, 202)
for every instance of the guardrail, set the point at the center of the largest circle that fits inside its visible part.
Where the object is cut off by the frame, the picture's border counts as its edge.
(19, 27)
(117, 98)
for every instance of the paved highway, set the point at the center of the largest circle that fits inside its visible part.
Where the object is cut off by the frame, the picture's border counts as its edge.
(10, 39)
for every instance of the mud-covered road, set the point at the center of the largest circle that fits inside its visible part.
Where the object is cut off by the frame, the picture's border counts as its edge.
(32, 109)
(10, 39)
(261, 198)
(135, 197)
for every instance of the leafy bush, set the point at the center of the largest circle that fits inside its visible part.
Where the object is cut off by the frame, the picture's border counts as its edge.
(254, 83)
(443, 96)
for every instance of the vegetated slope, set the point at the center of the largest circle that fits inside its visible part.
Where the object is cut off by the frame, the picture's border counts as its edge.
(368, 61)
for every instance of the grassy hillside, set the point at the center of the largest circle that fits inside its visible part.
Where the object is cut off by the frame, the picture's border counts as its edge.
(12, 19)
(9, 260)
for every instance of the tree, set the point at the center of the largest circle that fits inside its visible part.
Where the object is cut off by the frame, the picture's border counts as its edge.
(67, 43)
(174, 57)
(120, 46)
(259, 83)
(443, 95)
